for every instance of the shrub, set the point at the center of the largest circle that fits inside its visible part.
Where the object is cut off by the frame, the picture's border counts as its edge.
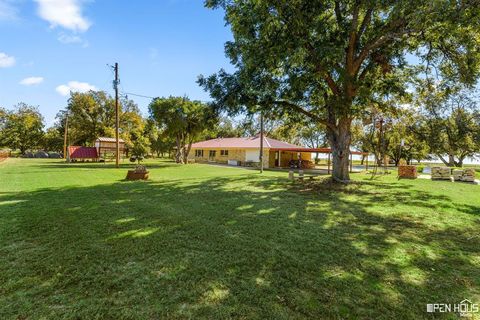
(140, 148)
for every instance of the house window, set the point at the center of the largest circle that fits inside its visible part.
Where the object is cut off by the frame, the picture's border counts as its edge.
(199, 153)
(212, 153)
(224, 153)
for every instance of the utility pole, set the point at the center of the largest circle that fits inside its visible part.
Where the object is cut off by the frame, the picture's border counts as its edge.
(117, 118)
(65, 135)
(261, 142)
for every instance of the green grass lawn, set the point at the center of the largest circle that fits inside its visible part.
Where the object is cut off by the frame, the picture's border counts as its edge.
(208, 242)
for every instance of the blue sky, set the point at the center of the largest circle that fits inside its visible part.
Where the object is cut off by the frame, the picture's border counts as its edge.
(48, 47)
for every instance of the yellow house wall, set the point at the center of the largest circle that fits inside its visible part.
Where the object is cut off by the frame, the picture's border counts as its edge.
(271, 159)
(239, 155)
(233, 154)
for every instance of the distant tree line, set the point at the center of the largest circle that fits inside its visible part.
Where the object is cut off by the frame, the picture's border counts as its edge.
(437, 120)
(440, 120)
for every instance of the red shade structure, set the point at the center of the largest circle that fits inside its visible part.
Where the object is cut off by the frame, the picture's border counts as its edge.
(82, 153)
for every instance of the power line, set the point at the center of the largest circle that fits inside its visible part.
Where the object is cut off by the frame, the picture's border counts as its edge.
(126, 94)
(117, 117)
(137, 95)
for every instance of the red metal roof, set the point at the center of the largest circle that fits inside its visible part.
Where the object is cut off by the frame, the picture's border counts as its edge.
(77, 152)
(244, 143)
(319, 150)
(254, 143)
(105, 139)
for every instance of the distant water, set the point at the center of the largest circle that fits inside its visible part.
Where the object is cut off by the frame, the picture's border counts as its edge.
(466, 161)
(372, 158)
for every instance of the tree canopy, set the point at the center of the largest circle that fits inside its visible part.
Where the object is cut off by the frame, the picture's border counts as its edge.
(183, 119)
(330, 60)
(92, 115)
(22, 127)
(449, 121)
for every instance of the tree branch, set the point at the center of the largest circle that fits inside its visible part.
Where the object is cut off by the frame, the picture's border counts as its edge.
(394, 29)
(338, 13)
(365, 22)
(319, 68)
(307, 113)
(353, 37)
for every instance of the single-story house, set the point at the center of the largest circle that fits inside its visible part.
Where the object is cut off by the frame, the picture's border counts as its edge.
(246, 151)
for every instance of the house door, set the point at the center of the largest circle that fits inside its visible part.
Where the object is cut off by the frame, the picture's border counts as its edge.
(211, 155)
(277, 159)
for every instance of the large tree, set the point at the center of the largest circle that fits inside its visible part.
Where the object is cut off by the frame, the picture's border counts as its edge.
(3, 122)
(132, 124)
(53, 140)
(329, 60)
(160, 142)
(449, 123)
(22, 128)
(92, 115)
(182, 119)
(391, 135)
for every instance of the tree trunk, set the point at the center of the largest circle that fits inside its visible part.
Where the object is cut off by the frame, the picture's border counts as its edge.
(187, 150)
(184, 150)
(339, 140)
(459, 163)
(379, 160)
(451, 160)
(442, 159)
(178, 152)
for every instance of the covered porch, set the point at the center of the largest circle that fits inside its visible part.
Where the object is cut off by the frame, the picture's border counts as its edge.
(281, 158)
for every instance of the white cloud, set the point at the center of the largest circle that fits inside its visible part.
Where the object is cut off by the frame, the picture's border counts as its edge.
(65, 38)
(74, 86)
(72, 39)
(31, 81)
(64, 13)
(8, 12)
(6, 60)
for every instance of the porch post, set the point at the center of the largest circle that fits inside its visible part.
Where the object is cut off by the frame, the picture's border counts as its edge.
(328, 163)
(351, 162)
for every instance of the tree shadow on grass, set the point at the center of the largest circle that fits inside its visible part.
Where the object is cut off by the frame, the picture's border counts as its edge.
(107, 165)
(236, 247)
